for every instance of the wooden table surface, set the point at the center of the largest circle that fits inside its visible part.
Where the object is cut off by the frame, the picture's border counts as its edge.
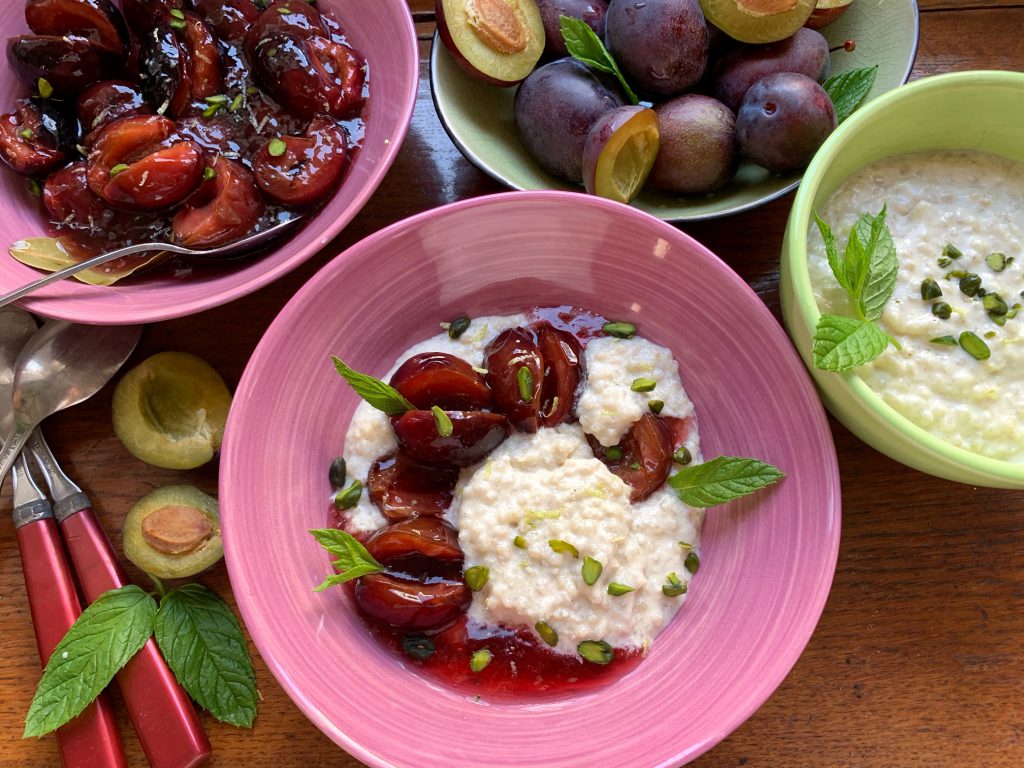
(919, 656)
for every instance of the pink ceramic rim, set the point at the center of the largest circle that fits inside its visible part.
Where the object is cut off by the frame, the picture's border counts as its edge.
(92, 307)
(812, 597)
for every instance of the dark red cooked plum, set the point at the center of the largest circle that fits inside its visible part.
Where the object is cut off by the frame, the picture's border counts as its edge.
(217, 135)
(310, 76)
(783, 120)
(646, 456)
(419, 546)
(590, 11)
(98, 21)
(474, 435)
(37, 137)
(225, 208)
(138, 164)
(412, 604)
(300, 19)
(661, 45)
(67, 64)
(555, 108)
(436, 378)
(230, 19)
(805, 52)
(142, 15)
(620, 151)
(69, 202)
(698, 151)
(179, 65)
(562, 358)
(402, 488)
(102, 103)
(303, 170)
(515, 373)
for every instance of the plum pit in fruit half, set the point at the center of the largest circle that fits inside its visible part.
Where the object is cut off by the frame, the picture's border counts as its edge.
(496, 41)
(620, 152)
(170, 410)
(173, 532)
(757, 21)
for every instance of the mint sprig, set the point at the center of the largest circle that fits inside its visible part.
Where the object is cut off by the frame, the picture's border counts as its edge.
(583, 44)
(206, 650)
(848, 89)
(722, 479)
(353, 559)
(867, 270)
(381, 396)
(196, 631)
(100, 642)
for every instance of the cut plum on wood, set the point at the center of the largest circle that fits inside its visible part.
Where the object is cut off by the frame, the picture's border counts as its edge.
(757, 21)
(620, 151)
(496, 41)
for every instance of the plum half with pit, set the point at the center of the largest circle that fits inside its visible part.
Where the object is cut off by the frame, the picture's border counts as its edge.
(698, 151)
(555, 108)
(783, 120)
(496, 41)
(590, 11)
(806, 52)
(661, 45)
(173, 532)
(620, 151)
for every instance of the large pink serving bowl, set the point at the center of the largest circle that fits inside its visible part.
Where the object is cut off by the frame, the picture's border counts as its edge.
(767, 561)
(384, 32)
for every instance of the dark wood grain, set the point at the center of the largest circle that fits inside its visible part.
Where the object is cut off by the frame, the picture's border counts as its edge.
(919, 657)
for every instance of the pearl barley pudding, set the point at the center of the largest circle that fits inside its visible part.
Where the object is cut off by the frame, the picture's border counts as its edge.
(507, 514)
(956, 368)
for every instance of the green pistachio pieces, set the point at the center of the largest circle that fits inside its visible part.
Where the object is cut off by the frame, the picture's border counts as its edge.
(618, 590)
(563, 547)
(349, 497)
(547, 634)
(479, 660)
(591, 570)
(476, 577)
(596, 651)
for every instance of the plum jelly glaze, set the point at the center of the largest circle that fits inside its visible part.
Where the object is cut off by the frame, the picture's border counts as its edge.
(184, 121)
(417, 607)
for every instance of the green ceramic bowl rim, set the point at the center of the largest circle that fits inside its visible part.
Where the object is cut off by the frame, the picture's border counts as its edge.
(796, 237)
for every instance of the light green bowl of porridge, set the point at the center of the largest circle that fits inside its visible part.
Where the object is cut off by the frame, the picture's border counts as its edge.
(945, 154)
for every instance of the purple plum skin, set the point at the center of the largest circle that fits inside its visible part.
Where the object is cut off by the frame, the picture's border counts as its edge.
(782, 121)
(590, 11)
(660, 45)
(555, 108)
(806, 52)
(698, 153)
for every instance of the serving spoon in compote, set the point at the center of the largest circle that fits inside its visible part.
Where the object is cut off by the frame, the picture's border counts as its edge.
(241, 247)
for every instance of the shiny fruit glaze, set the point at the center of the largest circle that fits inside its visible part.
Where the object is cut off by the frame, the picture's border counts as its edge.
(417, 605)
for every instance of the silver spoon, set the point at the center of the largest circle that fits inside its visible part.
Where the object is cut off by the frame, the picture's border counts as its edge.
(62, 365)
(237, 248)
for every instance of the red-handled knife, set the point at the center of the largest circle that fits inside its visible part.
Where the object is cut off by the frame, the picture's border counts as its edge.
(163, 714)
(90, 740)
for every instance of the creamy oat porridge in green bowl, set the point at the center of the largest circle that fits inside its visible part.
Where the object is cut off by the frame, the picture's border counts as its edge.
(914, 331)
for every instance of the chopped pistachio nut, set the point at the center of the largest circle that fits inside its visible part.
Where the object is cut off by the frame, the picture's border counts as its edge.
(117, 169)
(620, 330)
(476, 577)
(442, 422)
(591, 570)
(276, 147)
(45, 89)
(479, 660)
(997, 262)
(974, 346)
(209, 174)
(618, 590)
(643, 385)
(419, 647)
(656, 406)
(950, 251)
(673, 586)
(682, 455)
(563, 547)
(458, 326)
(948, 340)
(338, 472)
(692, 562)
(596, 651)
(547, 634)
(519, 542)
(930, 289)
(613, 453)
(349, 497)
(525, 380)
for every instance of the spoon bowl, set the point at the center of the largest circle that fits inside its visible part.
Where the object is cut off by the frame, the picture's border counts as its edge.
(60, 366)
(16, 328)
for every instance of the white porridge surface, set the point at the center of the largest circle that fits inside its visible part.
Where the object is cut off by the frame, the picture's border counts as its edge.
(549, 486)
(973, 201)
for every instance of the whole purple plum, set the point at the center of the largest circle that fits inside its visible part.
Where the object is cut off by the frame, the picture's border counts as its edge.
(660, 45)
(698, 151)
(555, 108)
(551, 11)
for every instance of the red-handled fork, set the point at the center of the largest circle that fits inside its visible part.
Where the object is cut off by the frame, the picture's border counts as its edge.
(90, 740)
(166, 721)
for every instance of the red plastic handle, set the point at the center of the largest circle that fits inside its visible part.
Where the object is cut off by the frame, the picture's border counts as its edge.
(164, 718)
(90, 740)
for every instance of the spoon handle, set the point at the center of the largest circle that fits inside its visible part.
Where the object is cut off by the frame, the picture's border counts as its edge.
(164, 718)
(95, 261)
(10, 451)
(89, 740)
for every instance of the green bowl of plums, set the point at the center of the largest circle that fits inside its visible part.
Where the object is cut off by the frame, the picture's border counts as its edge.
(687, 109)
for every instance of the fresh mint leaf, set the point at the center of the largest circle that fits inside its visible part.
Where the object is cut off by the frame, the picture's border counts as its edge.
(583, 44)
(722, 479)
(882, 267)
(842, 343)
(848, 89)
(203, 644)
(353, 560)
(855, 260)
(101, 641)
(381, 396)
(837, 264)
